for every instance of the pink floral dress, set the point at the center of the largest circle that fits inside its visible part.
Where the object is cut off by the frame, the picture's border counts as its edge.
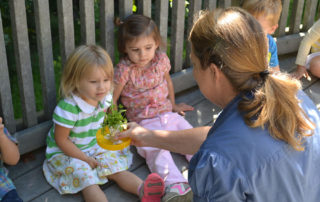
(145, 92)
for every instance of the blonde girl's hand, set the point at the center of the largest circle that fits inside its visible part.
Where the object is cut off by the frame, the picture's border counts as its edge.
(181, 108)
(139, 136)
(93, 163)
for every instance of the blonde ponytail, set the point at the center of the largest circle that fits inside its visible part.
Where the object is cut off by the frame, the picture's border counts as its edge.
(276, 106)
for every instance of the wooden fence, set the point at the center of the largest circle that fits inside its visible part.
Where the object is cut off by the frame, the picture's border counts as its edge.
(32, 128)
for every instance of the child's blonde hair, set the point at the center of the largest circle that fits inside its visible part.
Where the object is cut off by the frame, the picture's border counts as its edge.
(270, 9)
(79, 63)
(235, 42)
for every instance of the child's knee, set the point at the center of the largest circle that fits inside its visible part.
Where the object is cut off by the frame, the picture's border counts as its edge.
(315, 66)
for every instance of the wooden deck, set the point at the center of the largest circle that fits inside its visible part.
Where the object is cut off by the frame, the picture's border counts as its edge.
(32, 186)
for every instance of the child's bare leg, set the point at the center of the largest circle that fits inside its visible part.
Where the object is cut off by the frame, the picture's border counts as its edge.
(93, 193)
(315, 66)
(127, 181)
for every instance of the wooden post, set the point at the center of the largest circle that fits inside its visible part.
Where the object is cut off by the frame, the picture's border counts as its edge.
(161, 19)
(125, 8)
(107, 26)
(66, 28)
(177, 35)
(144, 7)
(194, 8)
(283, 19)
(23, 62)
(44, 43)
(88, 35)
(5, 89)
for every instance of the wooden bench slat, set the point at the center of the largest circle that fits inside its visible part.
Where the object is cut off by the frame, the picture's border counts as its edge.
(125, 8)
(161, 19)
(66, 28)
(144, 7)
(194, 8)
(309, 14)
(107, 26)
(88, 35)
(177, 35)
(23, 61)
(6, 106)
(283, 19)
(32, 184)
(209, 4)
(224, 3)
(44, 44)
(296, 16)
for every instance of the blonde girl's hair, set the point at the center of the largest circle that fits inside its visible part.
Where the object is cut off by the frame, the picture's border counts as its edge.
(134, 27)
(270, 9)
(79, 63)
(235, 42)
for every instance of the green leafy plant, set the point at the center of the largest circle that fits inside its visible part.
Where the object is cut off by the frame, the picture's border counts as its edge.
(114, 120)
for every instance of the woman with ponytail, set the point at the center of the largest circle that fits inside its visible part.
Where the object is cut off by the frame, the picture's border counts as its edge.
(265, 144)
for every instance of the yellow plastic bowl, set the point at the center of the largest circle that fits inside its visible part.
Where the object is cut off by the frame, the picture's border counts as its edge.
(109, 145)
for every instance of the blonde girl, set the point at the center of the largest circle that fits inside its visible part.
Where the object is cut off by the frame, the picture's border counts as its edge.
(145, 88)
(74, 162)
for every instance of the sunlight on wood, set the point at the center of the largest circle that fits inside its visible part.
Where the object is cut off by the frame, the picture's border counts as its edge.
(185, 174)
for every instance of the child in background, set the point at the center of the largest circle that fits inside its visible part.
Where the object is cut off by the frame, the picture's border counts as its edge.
(74, 161)
(312, 61)
(267, 13)
(10, 155)
(142, 80)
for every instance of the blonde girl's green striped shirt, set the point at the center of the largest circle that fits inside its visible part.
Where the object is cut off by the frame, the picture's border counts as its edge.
(82, 118)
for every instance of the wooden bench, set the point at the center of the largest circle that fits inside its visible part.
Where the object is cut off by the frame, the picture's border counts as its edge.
(31, 130)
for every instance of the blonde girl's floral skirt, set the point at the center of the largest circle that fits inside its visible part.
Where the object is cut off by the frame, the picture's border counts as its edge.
(70, 175)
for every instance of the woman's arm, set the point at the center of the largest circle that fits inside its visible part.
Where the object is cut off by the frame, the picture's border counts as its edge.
(181, 107)
(61, 135)
(182, 141)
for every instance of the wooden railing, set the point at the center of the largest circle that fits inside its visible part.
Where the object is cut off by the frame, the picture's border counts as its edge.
(32, 128)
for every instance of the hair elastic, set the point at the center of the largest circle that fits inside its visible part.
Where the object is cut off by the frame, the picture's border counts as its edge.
(264, 74)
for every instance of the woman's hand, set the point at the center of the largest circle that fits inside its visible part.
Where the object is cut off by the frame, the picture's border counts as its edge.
(139, 136)
(181, 108)
(300, 72)
(93, 163)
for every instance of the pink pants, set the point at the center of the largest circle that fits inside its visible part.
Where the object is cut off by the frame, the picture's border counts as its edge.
(159, 160)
